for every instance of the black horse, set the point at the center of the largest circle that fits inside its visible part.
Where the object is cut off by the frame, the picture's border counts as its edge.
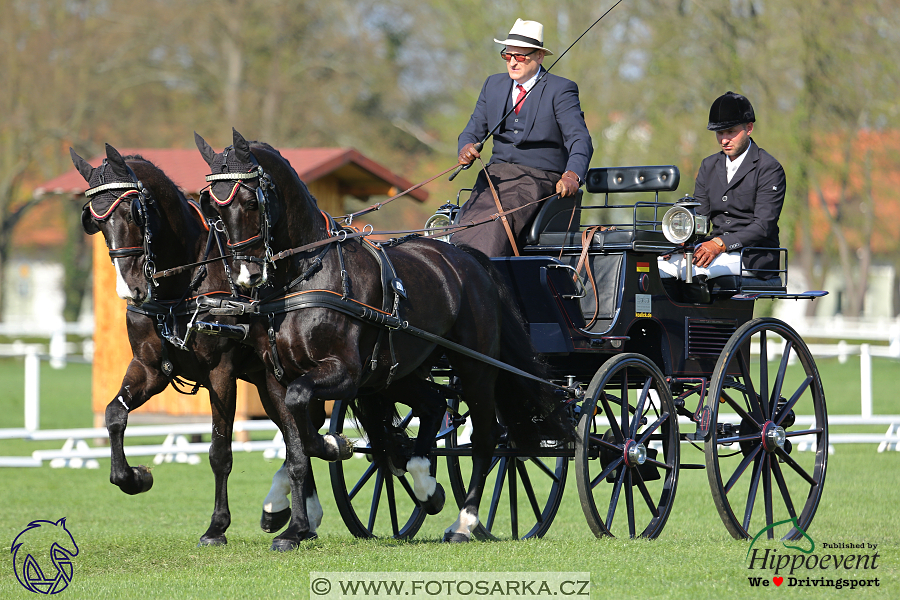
(148, 224)
(322, 353)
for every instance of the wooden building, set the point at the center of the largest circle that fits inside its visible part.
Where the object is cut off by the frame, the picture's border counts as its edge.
(332, 174)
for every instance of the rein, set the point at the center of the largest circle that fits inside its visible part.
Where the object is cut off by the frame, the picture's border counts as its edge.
(343, 235)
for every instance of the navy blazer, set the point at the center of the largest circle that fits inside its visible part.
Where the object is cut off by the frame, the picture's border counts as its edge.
(553, 135)
(745, 212)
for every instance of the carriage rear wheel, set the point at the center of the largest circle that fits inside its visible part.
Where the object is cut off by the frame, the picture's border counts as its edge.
(525, 491)
(763, 413)
(627, 442)
(372, 501)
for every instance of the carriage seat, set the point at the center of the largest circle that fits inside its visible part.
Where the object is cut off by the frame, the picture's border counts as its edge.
(554, 218)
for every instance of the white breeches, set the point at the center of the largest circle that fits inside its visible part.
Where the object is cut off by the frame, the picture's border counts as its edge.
(727, 263)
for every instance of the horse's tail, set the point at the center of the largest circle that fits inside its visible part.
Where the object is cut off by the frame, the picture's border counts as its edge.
(531, 411)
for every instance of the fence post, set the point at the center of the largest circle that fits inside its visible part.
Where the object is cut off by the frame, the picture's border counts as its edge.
(32, 390)
(865, 380)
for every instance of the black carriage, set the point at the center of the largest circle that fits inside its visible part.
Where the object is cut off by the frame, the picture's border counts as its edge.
(653, 367)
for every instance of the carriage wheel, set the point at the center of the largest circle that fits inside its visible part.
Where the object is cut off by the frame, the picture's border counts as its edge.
(627, 446)
(761, 416)
(372, 501)
(522, 493)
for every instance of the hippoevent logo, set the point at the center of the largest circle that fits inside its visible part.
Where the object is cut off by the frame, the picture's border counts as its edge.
(802, 566)
(42, 556)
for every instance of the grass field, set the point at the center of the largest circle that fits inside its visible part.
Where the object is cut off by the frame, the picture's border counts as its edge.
(145, 546)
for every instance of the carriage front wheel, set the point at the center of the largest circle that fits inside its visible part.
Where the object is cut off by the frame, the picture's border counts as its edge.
(767, 425)
(627, 451)
(372, 501)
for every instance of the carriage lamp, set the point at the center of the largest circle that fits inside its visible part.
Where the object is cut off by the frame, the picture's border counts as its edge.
(442, 217)
(680, 224)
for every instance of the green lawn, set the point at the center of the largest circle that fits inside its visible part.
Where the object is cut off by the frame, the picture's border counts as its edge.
(145, 546)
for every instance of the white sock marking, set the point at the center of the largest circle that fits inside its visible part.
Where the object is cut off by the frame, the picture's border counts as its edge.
(279, 494)
(423, 483)
(314, 512)
(464, 524)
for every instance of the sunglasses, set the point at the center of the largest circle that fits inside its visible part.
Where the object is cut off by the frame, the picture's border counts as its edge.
(519, 57)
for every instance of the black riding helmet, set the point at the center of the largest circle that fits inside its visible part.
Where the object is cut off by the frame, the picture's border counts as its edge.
(728, 110)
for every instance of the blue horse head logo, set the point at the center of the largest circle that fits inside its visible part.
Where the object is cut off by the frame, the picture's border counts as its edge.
(42, 556)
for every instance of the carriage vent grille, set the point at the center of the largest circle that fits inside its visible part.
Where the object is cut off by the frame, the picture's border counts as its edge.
(706, 337)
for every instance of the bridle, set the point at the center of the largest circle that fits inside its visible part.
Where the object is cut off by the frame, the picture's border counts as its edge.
(140, 198)
(268, 214)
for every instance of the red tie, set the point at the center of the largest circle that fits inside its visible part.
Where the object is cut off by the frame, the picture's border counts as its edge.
(519, 97)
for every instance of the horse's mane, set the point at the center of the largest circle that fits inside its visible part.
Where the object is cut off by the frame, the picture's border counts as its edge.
(158, 173)
(269, 148)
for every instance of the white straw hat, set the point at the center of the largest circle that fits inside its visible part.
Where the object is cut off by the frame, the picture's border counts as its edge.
(525, 34)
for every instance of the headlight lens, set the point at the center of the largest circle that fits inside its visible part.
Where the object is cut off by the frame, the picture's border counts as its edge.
(438, 220)
(678, 225)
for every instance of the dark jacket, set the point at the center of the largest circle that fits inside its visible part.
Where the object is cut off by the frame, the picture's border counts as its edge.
(745, 212)
(550, 133)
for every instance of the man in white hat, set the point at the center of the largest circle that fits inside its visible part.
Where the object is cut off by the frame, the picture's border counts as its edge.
(541, 147)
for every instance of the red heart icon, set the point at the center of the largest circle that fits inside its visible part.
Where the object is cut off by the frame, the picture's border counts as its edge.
(778, 580)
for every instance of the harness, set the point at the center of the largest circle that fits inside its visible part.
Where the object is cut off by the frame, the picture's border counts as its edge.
(140, 199)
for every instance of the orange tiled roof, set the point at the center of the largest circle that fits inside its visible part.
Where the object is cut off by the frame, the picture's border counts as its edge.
(188, 169)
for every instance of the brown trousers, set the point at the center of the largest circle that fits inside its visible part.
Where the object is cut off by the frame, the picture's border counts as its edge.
(516, 185)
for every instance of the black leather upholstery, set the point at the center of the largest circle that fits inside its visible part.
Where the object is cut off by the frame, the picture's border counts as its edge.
(554, 216)
(615, 180)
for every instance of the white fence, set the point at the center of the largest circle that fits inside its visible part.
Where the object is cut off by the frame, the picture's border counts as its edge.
(77, 452)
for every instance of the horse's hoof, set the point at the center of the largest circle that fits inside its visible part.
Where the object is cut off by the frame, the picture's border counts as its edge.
(456, 538)
(212, 540)
(141, 481)
(286, 545)
(435, 502)
(272, 522)
(337, 447)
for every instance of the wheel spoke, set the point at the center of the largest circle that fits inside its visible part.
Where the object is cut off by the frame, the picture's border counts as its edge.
(596, 439)
(653, 427)
(609, 469)
(797, 468)
(782, 370)
(614, 501)
(739, 438)
(376, 499)
(740, 410)
(741, 468)
(659, 464)
(782, 485)
(529, 491)
(767, 492)
(498, 489)
(764, 374)
(752, 397)
(408, 488)
(392, 506)
(623, 393)
(751, 494)
(362, 481)
(513, 501)
(617, 431)
(817, 430)
(540, 465)
(639, 408)
(646, 493)
(629, 503)
(790, 404)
